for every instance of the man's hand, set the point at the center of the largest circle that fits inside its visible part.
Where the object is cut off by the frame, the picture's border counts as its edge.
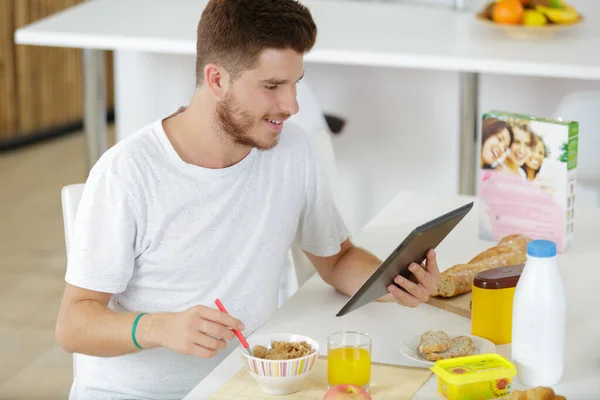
(198, 331)
(427, 279)
(352, 266)
(86, 325)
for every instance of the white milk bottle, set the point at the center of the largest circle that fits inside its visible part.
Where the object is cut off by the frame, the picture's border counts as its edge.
(539, 318)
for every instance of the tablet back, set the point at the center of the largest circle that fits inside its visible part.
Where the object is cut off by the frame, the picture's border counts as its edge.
(413, 249)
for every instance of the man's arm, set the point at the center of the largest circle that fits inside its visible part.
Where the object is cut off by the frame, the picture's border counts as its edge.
(347, 270)
(86, 325)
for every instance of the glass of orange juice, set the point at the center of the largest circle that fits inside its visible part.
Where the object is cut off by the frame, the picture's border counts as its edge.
(349, 359)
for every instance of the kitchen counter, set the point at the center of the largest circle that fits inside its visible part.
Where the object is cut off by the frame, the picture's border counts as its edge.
(382, 34)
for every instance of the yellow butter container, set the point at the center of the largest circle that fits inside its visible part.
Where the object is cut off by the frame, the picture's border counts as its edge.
(492, 303)
(478, 377)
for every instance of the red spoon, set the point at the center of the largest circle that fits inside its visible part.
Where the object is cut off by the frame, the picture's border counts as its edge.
(237, 333)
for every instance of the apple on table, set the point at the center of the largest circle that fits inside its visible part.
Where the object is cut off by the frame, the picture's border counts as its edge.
(346, 392)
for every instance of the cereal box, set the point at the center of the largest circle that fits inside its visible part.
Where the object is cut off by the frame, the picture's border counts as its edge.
(527, 177)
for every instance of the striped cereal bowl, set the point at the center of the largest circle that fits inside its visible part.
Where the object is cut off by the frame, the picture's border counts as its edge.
(279, 377)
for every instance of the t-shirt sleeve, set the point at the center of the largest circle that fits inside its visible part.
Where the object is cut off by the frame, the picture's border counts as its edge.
(102, 248)
(321, 228)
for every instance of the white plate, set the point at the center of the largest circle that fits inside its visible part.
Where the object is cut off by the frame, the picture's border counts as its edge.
(411, 348)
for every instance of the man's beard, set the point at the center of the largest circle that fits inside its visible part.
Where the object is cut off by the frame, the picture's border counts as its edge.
(235, 122)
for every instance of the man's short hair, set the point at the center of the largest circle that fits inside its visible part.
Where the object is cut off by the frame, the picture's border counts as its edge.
(233, 33)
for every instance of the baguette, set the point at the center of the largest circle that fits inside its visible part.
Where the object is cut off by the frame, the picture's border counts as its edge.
(459, 279)
(499, 250)
(518, 241)
(511, 250)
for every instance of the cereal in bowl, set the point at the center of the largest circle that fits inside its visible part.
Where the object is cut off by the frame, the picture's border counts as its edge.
(281, 350)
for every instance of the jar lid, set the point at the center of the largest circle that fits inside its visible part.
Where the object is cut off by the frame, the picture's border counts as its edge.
(499, 278)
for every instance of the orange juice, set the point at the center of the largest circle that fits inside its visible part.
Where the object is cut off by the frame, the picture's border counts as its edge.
(349, 365)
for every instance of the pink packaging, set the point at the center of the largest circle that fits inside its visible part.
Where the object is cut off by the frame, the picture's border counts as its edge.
(527, 177)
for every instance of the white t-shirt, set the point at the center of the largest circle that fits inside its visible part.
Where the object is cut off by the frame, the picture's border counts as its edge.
(163, 235)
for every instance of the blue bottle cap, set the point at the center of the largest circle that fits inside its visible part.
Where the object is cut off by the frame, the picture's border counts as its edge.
(541, 248)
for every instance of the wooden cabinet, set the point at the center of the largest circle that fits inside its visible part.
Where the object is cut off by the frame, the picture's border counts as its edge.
(41, 90)
(8, 121)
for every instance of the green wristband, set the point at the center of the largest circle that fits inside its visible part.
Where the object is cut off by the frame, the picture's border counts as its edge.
(137, 319)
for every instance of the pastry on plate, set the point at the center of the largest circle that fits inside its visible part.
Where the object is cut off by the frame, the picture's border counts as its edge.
(434, 341)
(460, 346)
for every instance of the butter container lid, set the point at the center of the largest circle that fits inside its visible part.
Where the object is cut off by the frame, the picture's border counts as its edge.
(499, 278)
(472, 369)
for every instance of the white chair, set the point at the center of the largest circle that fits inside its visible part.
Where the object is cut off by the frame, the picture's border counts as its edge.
(70, 196)
(584, 107)
(311, 119)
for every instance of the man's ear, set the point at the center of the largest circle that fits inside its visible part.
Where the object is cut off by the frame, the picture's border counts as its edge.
(217, 80)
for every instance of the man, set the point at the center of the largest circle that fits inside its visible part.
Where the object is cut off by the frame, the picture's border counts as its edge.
(205, 204)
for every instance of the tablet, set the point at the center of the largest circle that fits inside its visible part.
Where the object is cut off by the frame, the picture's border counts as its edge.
(413, 249)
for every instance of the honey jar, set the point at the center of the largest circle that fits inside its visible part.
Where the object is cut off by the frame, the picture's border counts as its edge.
(492, 303)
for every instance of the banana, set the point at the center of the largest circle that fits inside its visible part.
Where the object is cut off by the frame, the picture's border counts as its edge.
(566, 15)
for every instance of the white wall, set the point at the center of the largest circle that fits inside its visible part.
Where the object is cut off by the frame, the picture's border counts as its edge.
(402, 131)
(148, 86)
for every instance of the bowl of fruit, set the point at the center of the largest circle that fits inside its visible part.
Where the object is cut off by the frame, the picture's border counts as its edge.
(530, 17)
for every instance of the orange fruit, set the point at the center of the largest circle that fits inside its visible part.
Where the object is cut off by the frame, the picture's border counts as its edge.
(508, 12)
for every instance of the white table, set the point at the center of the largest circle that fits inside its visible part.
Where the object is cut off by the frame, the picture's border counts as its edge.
(388, 34)
(311, 311)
